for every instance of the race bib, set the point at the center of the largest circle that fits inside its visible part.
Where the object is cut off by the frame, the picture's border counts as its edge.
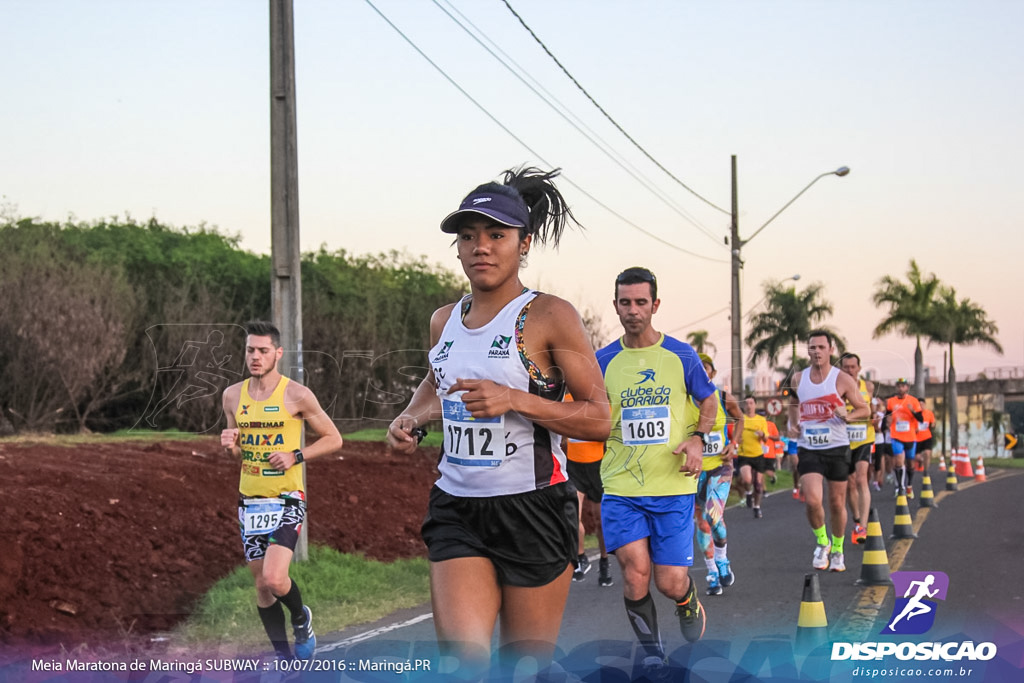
(922, 426)
(646, 426)
(472, 441)
(261, 515)
(902, 425)
(816, 436)
(857, 433)
(715, 444)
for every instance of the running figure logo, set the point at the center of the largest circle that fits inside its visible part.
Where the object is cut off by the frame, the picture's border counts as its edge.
(914, 613)
(647, 375)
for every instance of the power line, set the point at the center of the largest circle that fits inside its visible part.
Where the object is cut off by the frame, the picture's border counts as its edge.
(608, 116)
(526, 146)
(563, 111)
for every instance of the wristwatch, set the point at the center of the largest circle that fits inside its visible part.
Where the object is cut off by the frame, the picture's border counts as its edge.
(702, 436)
(298, 456)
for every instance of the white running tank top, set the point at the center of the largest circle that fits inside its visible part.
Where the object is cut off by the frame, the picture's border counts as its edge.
(492, 456)
(820, 428)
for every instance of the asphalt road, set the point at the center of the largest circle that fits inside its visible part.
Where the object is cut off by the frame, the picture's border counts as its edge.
(974, 535)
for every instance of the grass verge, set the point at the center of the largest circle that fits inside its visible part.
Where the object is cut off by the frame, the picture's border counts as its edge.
(341, 589)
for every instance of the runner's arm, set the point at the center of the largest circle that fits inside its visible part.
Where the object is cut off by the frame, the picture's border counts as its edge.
(424, 406)
(555, 326)
(229, 436)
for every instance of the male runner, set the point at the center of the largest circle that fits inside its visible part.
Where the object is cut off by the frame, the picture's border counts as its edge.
(824, 445)
(265, 414)
(652, 462)
(904, 413)
(862, 439)
(751, 460)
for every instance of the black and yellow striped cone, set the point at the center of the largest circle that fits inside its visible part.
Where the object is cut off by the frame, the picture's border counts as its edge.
(874, 568)
(927, 497)
(951, 483)
(902, 525)
(811, 626)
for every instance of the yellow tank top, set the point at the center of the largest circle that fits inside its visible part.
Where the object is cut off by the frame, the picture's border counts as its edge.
(265, 427)
(870, 437)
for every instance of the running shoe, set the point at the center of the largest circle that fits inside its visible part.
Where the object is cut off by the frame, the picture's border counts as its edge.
(820, 560)
(757, 513)
(691, 616)
(582, 567)
(836, 563)
(910, 493)
(714, 585)
(876, 486)
(604, 575)
(771, 476)
(725, 573)
(750, 500)
(656, 668)
(305, 639)
(859, 535)
(796, 494)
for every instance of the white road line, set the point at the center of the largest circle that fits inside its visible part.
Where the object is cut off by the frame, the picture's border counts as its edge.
(374, 633)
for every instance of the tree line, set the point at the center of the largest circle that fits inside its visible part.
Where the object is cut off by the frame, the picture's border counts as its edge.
(118, 324)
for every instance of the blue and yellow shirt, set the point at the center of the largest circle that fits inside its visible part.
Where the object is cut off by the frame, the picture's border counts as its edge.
(649, 389)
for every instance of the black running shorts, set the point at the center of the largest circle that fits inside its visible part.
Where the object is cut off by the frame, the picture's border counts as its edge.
(833, 463)
(759, 463)
(586, 477)
(926, 444)
(861, 453)
(529, 537)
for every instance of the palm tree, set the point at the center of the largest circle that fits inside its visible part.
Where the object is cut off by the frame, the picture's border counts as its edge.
(961, 322)
(698, 339)
(910, 305)
(787, 318)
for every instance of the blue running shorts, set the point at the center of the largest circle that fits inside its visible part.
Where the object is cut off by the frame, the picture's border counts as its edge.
(666, 520)
(907, 448)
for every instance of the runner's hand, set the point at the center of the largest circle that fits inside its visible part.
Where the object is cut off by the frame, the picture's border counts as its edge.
(229, 438)
(483, 398)
(694, 450)
(400, 437)
(281, 460)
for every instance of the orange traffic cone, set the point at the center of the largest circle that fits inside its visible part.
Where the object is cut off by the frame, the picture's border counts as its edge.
(942, 463)
(979, 474)
(918, 465)
(963, 464)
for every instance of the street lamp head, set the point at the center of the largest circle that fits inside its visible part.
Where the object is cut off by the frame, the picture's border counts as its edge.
(795, 277)
(841, 171)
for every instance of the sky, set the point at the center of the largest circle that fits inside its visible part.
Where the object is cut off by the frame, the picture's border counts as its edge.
(161, 109)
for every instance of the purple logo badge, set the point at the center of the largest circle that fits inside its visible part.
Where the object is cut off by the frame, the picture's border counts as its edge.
(916, 593)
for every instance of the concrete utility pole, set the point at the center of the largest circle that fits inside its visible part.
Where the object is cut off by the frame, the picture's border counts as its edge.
(285, 258)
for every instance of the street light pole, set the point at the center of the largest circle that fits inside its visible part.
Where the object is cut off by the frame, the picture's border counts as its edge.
(737, 245)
